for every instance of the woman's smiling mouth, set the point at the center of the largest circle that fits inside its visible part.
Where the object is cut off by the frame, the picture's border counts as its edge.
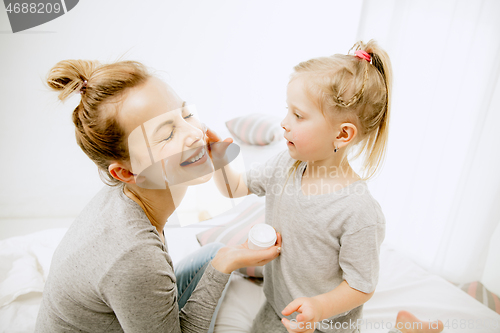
(198, 157)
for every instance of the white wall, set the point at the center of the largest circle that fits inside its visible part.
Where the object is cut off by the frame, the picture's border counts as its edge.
(227, 57)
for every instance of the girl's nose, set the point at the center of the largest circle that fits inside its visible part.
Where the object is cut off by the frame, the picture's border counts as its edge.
(284, 125)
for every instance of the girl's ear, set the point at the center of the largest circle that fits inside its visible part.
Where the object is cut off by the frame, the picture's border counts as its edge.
(121, 172)
(348, 132)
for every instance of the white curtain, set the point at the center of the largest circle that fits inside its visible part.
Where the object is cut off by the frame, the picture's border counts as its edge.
(440, 186)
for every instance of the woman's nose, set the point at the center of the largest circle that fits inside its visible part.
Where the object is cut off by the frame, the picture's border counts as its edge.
(195, 134)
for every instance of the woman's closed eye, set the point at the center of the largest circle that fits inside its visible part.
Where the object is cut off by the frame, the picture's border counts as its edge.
(170, 136)
(173, 129)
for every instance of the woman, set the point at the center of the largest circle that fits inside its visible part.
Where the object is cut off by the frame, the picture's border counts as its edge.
(112, 271)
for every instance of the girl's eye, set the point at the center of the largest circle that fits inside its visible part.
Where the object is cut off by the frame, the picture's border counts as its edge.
(298, 117)
(189, 116)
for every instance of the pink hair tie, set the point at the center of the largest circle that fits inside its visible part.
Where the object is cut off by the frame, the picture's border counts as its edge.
(83, 87)
(363, 55)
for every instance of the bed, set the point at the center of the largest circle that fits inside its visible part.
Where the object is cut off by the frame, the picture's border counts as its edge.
(403, 285)
(25, 260)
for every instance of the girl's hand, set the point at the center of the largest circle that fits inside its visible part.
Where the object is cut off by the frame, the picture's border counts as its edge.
(231, 258)
(310, 312)
(217, 147)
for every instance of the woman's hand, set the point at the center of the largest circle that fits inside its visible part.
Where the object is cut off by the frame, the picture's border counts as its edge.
(230, 258)
(310, 312)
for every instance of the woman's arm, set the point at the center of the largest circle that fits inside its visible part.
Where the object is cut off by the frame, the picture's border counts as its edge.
(140, 288)
(231, 258)
(208, 290)
(196, 315)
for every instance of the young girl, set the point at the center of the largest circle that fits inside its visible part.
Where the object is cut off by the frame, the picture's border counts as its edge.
(331, 226)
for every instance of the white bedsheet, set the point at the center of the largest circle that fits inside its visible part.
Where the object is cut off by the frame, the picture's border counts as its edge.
(403, 285)
(24, 265)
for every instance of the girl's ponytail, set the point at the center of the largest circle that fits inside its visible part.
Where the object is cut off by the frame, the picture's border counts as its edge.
(376, 141)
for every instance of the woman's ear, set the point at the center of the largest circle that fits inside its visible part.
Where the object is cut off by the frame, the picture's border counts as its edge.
(347, 133)
(121, 172)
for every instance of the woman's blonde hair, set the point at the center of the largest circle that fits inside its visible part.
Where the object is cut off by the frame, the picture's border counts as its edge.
(97, 131)
(357, 91)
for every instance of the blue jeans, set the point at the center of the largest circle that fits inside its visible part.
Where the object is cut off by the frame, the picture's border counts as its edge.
(189, 271)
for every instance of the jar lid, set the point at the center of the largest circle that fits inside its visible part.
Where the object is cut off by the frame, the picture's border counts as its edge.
(262, 235)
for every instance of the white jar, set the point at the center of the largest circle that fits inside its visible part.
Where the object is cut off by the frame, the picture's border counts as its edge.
(261, 236)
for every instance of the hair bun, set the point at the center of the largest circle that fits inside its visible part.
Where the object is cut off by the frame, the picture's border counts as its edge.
(67, 76)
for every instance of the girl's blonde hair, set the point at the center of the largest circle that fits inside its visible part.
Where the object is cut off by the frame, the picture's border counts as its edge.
(97, 131)
(357, 91)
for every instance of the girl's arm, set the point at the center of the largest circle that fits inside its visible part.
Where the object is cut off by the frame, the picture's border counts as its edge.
(341, 299)
(323, 306)
(363, 243)
(229, 182)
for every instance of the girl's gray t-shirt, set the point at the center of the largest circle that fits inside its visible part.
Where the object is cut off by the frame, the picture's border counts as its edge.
(327, 238)
(112, 273)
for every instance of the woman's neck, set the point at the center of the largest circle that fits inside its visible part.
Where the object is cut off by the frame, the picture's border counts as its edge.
(158, 205)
